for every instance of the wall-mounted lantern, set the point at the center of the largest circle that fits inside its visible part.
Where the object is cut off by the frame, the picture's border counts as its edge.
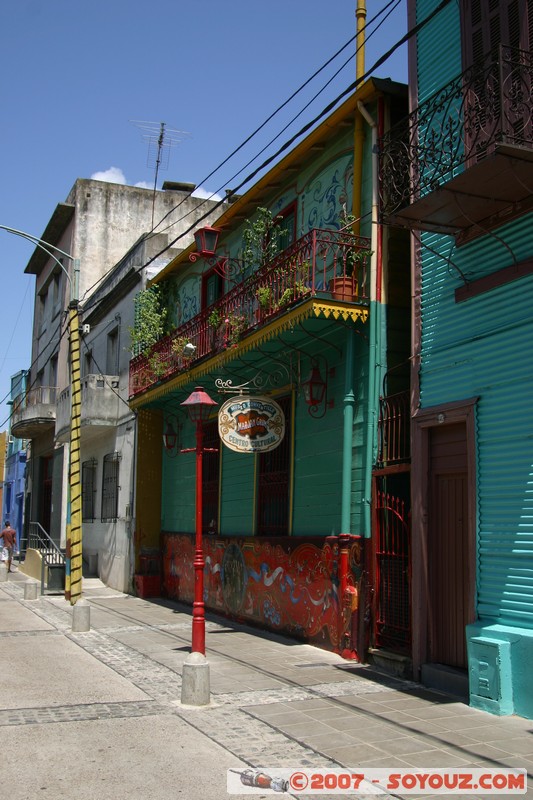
(206, 241)
(315, 390)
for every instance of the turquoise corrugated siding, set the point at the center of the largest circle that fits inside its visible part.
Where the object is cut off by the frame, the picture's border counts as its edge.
(438, 48)
(483, 347)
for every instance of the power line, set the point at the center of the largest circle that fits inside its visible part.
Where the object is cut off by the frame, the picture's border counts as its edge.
(314, 121)
(280, 107)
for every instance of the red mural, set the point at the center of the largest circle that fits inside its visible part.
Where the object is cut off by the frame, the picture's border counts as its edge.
(280, 584)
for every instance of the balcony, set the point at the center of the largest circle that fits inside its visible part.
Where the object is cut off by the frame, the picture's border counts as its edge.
(394, 442)
(34, 413)
(99, 407)
(462, 162)
(302, 272)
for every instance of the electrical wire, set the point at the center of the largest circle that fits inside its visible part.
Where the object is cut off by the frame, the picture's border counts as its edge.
(104, 376)
(394, 3)
(314, 121)
(304, 108)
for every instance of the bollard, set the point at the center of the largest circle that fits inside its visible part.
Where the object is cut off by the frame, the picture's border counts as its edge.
(81, 616)
(3, 572)
(195, 686)
(31, 590)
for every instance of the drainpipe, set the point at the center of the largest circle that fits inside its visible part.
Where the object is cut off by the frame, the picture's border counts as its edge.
(360, 16)
(374, 343)
(349, 395)
(347, 435)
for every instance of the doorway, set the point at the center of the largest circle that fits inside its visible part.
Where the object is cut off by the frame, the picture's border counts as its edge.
(448, 546)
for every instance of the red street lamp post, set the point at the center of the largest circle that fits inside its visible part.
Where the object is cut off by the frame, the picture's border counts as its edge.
(199, 406)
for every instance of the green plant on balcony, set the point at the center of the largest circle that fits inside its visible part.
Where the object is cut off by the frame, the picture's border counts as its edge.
(237, 324)
(158, 365)
(344, 285)
(150, 321)
(264, 297)
(215, 319)
(262, 239)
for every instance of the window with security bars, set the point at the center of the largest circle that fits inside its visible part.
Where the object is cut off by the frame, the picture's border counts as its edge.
(88, 490)
(110, 487)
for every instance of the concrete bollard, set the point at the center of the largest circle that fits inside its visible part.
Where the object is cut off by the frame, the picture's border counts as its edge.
(31, 590)
(195, 684)
(81, 616)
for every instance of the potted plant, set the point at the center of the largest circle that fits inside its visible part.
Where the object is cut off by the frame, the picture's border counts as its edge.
(237, 323)
(344, 286)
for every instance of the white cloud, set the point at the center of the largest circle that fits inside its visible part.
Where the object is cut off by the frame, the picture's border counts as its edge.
(111, 175)
(204, 194)
(143, 185)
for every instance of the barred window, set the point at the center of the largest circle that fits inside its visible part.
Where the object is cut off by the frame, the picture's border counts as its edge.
(110, 487)
(88, 490)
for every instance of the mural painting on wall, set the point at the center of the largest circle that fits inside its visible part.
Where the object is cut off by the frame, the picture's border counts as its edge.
(256, 580)
(251, 424)
(328, 194)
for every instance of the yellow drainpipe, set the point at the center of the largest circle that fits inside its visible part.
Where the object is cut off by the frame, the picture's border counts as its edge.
(360, 15)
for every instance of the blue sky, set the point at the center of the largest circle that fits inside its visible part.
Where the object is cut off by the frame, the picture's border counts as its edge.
(75, 75)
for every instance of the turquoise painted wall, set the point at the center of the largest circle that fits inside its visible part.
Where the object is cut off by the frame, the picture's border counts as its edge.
(481, 347)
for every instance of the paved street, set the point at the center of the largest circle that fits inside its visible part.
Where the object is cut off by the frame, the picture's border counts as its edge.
(98, 716)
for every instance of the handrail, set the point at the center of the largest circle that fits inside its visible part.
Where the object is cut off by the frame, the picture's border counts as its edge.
(39, 539)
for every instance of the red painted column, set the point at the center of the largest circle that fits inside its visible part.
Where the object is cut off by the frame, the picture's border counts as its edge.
(198, 611)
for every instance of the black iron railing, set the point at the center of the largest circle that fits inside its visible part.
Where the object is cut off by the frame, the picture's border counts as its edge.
(489, 104)
(394, 446)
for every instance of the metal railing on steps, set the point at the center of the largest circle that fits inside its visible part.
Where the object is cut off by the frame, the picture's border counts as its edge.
(52, 557)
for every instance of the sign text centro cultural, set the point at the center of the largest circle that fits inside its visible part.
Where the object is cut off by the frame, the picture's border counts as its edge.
(251, 424)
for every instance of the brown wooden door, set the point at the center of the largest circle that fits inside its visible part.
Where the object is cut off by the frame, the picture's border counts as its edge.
(449, 583)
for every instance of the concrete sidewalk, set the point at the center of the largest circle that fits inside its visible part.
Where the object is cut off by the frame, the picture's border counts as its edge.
(98, 714)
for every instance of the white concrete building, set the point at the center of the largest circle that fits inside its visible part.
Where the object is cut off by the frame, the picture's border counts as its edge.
(106, 227)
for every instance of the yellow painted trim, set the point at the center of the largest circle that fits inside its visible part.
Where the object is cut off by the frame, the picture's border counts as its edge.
(311, 308)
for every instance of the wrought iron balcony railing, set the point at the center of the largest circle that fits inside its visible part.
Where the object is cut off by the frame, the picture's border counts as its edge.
(487, 106)
(303, 270)
(394, 444)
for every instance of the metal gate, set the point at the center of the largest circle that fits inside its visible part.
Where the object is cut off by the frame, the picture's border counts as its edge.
(392, 630)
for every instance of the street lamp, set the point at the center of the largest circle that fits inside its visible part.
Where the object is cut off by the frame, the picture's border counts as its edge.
(195, 688)
(73, 573)
(199, 405)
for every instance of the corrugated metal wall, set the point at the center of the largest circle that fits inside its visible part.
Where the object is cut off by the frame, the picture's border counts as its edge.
(438, 47)
(483, 347)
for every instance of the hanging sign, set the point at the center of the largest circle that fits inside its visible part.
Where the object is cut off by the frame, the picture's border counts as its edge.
(251, 424)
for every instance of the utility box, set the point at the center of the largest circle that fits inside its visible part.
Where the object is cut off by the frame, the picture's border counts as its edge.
(489, 667)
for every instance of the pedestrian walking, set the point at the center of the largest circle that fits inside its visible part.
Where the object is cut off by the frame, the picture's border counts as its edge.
(9, 536)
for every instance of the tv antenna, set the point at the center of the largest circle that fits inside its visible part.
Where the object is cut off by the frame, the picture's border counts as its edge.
(160, 140)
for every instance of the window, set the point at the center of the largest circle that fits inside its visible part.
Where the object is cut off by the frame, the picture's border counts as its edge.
(210, 478)
(53, 378)
(287, 223)
(274, 480)
(112, 353)
(110, 487)
(56, 296)
(88, 363)
(488, 23)
(212, 288)
(88, 490)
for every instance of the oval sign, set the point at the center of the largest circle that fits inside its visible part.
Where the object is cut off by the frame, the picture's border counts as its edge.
(251, 424)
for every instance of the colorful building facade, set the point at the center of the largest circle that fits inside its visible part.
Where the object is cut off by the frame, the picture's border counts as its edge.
(458, 173)
(260, 321)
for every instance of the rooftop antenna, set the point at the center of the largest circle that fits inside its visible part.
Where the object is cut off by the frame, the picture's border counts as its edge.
(160, 139)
